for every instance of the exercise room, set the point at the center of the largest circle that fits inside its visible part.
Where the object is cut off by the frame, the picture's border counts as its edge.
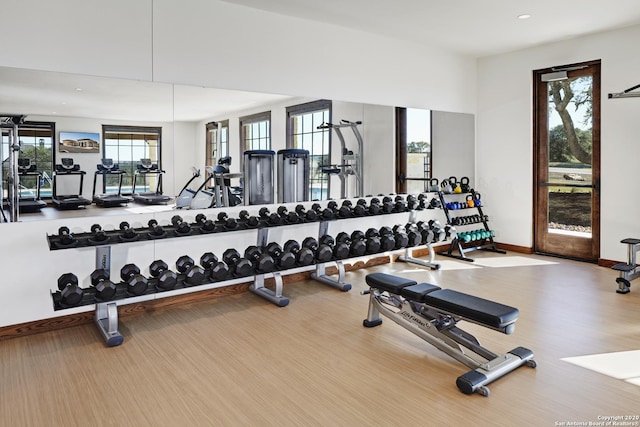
(243, 213)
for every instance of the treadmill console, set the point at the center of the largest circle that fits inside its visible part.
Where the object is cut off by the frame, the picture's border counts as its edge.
(25, 165)
(145, 165)
(107, 165)
(66, 165)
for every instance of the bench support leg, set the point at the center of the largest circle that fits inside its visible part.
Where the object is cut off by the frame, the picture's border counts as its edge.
(106, 318)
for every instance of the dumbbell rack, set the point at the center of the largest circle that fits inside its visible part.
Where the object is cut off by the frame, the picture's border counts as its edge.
(483, 243)
(630, 270)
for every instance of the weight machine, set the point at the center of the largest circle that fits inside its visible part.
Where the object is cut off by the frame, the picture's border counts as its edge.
(351, 163)
(12, 123)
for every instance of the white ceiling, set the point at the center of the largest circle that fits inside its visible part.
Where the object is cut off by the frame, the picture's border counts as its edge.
(471, 27)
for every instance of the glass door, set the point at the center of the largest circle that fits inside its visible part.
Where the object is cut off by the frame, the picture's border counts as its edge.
(567, 161)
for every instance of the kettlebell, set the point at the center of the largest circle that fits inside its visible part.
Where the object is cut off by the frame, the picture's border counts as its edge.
(464, 185)
(477, 201)
(434, 185)
(446, 187)
(470, 202)
(454, 185)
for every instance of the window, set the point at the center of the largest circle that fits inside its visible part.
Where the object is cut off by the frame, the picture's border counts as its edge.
(126, 145)
(413, 148)
(303, 133)
(36, 140)
(255, 131)
(211, 155)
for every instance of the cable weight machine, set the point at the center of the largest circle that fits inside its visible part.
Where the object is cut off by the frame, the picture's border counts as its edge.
(351, 163)
(12, 123)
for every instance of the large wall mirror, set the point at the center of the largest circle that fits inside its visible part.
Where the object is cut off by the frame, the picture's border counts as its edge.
(135, 119)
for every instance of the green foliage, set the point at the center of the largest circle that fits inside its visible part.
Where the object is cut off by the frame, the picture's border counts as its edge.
(418, 147)
(559, 149)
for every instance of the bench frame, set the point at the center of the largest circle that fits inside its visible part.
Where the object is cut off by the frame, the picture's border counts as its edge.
(439, 329)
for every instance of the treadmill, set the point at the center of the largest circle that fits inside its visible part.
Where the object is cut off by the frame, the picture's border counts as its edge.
(31, 203)
(68, 169)
(108, 200)
(144, 169)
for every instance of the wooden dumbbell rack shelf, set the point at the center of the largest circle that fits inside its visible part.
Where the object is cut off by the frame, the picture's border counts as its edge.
(106, 314)
(462, 248)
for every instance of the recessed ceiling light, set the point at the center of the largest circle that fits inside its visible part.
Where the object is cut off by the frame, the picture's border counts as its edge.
(524, 16)
(79, 89)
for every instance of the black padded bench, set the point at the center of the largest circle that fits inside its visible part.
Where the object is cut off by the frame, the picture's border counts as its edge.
(472, 308)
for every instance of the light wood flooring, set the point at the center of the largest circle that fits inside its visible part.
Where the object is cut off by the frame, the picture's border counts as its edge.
(241, 361)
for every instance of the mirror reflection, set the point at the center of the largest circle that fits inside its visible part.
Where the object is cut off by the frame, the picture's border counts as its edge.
(140, 138)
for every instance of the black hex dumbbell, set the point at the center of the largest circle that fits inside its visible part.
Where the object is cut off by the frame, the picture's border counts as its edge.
(360, 209)
(346, 210)
(127, 234)
(218, 270)
(239, 266)
(413, 203)
(425, 231)
(227, 222)
(156, 231)
(387, 239)
(340, 249)
(358, 246)
(372, 237)
(323, 214)
(262, 261)
(387, 205)
(414, 235)
(98, 234)
(105, 288)
(438, 231)
(304, 256)
(249, 221)
(322, 253)
(374, 206)
(179, 226)
(399, 204)
(66, 238)
(206, 225)
(269, 217)
(165, 278)
(308, 215)
(400, 234)
(291, 217)
(193, 274)
(137, 284)
(70, 292)
(284, 259)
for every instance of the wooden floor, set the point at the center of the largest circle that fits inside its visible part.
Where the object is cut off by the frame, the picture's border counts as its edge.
(240, 361)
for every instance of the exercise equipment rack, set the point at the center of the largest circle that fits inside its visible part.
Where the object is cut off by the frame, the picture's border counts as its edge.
(630, 270)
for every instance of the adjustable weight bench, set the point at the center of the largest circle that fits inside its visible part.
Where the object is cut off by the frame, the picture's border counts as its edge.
(432, 314)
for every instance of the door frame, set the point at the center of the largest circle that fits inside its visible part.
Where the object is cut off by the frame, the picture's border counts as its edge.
(543, 241)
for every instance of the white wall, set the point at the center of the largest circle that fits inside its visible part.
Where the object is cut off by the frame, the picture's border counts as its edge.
(504, 158)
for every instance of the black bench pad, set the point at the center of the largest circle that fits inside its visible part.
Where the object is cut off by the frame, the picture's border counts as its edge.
(387, 282)
(419, 291)
(479, 310)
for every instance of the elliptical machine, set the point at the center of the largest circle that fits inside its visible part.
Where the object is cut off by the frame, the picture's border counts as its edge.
(221, 194)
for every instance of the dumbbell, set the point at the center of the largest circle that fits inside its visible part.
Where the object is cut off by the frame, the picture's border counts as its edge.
(414, 235)
(218, 270)
(449, 231)
(99, 235)
(346, 210)
(227, 223)
(291, 217)
(70, 292)
(193, 274)
(105, 288)
(180, 227)
(155, 231)
(307, 215)
(249, 221)
(127, 234)
(239, 266)
(413, 203)
(340, 249)
(425, 231)
(322, 252)
(402, 239)
(374, 206)
(283, 259)
(268, 217)
(372, 239)
(262, 261)
(65, 238)
(165, 278)
(206, 225)
(438, 231)
(137, 284)
(357, 246)
(399, 204)
(360, 209)
(387, 205)
(387, 239)
(323, 214)
(304, 256)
